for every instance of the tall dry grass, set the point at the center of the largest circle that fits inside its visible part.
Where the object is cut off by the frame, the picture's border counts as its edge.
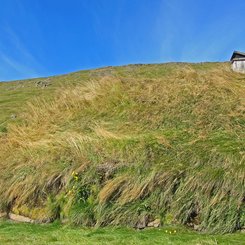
(164, 143)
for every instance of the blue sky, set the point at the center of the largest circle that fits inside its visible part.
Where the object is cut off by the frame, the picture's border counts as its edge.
(49, 37)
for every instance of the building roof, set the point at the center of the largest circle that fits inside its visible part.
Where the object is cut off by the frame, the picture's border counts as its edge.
(237, 55)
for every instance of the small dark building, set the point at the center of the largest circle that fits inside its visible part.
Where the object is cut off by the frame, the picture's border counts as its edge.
(238, 61)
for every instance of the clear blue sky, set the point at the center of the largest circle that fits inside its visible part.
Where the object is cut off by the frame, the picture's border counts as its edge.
(48, 37)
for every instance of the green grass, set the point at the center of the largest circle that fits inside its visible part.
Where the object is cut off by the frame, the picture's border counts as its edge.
(110, 146)
(12, 233)
(15, 95)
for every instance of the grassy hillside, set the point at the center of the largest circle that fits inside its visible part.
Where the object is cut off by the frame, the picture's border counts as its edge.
(117, 145)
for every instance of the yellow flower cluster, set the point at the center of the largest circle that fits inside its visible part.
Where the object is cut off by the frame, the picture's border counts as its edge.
(171, 232)
(75, 175)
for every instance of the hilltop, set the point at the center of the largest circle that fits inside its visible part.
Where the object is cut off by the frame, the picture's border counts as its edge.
(122, 145)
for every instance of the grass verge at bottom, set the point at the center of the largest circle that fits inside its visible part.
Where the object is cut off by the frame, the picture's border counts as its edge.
(19, 233)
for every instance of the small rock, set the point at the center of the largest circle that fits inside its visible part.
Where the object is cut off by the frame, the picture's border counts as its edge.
(196, 227)
(20, 218)
(156, 223)
(150, 224)
(43, 83)
(13, 116)
(142, 223)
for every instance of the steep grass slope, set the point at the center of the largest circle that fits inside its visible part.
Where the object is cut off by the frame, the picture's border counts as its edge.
(117, 145)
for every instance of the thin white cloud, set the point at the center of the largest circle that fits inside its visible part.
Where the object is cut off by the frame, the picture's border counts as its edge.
(20, 47)
(18, 44)
(16, 59)
(185, 38)
(12, 64)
